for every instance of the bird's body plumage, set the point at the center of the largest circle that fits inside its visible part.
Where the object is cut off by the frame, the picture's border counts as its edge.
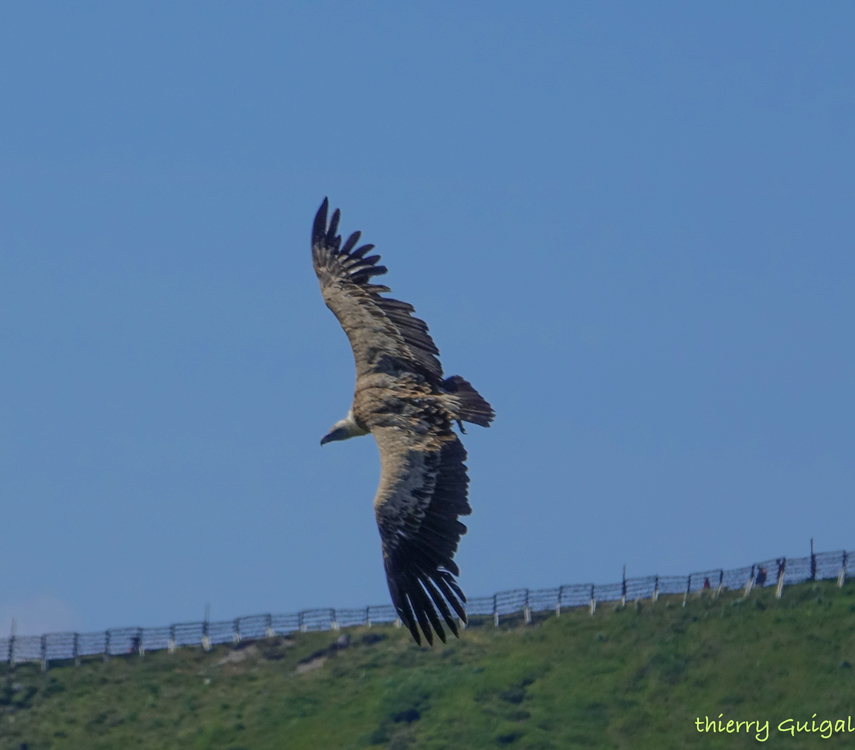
(402, 399)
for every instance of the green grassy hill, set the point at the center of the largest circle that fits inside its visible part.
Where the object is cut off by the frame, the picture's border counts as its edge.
(636, 677)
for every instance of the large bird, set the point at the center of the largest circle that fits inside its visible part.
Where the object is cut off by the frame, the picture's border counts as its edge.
(403, 400)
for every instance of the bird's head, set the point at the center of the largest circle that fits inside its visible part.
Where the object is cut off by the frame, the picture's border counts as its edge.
(344, 429)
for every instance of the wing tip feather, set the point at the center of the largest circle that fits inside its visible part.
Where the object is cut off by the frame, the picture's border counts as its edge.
(319, 227)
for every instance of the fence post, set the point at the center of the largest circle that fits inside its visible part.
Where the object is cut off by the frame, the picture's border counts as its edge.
(623, 588)
(812, 561)
(141, 645)
(655, 590)
(75, 650)
(720, 583)
(593, 605)
(44, 654)
(749, 584)
(270, 632)
(106, 646)
(782, 566)
(236, 630)
(688, 588)
(558, 606)
(841, 576)
(334, 621)
(527, 610)
(206, 641)
(495, 610)
(171, 643)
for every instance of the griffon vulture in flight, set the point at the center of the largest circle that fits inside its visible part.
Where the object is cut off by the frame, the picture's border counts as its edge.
(402, 399)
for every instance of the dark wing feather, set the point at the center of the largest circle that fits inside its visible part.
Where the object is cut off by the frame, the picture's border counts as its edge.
(383, 332)
(423, 490)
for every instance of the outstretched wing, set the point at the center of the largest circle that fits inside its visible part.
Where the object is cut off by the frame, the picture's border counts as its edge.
(423, 489)
(383, 332)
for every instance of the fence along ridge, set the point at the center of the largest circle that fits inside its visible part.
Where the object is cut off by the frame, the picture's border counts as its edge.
(778, 572)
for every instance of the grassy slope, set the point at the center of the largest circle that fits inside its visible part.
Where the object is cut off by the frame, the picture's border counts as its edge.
(633, 678)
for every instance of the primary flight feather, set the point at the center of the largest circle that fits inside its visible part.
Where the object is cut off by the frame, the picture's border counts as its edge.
(402, 399)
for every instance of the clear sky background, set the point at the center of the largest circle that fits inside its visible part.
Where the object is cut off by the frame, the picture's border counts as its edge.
(629, 225)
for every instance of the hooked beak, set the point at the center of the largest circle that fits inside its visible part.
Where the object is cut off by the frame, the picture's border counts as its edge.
(338, 433)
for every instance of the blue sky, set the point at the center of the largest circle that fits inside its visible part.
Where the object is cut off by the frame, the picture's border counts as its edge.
(629, 225)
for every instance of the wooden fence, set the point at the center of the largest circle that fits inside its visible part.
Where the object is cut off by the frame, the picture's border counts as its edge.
(779, 573)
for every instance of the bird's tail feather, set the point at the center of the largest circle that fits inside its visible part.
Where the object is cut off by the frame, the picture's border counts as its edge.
(472, 405)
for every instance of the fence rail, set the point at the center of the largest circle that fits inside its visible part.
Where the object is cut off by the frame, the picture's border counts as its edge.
(779, 573)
